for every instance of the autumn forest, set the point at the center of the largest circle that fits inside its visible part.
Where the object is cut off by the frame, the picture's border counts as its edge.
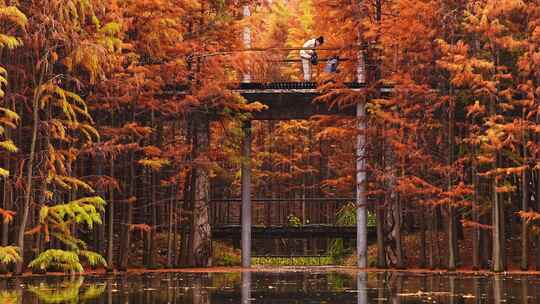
(121, 130)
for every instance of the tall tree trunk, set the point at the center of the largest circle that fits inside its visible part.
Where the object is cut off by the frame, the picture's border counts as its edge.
(452, 237)
(525, 196)
(110, 222)
(423, 242)
(170, 237)
(200, 237)
(381, 252)
(475, 215)
(125, 244)
(496, 212)
(28, 188)
(537, 199)
(189, 185)
(497, 235)
(432, 239)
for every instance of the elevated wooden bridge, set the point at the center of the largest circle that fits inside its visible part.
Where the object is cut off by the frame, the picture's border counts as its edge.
(287, 100)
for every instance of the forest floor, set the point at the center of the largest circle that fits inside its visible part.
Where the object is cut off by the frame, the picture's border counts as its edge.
(229, 258)
(412, 245)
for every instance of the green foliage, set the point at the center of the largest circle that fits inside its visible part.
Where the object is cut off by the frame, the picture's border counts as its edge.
(93, 258)
(294, 221)
(346, 215)
(55, 221)
(293, 261)
(9, 255)
(67, 261)
(57, 259)
(337, 251)
(371, 219)
(86, 210)
(9, 15)
(225, 255)
(10, 297)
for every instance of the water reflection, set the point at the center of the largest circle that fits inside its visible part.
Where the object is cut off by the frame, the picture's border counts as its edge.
(275, 288)
(246, 287)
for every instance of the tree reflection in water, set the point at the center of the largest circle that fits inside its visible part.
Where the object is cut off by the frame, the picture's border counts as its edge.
(290, 287)
(246, 287)
(68, 291)
(361, 286)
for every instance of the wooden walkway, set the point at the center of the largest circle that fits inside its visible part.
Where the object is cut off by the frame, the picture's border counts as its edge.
(286, 100)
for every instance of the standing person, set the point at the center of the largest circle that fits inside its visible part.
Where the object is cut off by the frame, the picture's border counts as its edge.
(308, 54)
(332, 64)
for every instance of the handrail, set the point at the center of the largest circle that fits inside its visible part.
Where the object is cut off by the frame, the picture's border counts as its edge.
(285, 199)
(269, 49)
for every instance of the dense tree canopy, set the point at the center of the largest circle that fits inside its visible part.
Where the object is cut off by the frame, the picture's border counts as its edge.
(119, 126)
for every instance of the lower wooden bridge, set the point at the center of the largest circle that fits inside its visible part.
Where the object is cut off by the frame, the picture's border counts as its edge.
(283, 218)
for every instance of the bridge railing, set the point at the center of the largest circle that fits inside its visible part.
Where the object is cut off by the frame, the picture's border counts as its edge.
(279, 212)
(275, 65)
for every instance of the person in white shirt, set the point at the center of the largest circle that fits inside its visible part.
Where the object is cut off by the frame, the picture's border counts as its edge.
(307, 53)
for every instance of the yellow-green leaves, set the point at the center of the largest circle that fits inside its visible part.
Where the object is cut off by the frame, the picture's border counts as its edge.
(9, 255)
(9, 146)
(12, 15)
(60, 259)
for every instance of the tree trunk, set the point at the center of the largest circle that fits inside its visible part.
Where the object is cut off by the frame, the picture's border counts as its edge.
(452, 237)
(125, 244)
(170, 236)
(110, 223)
(381, 252)
(525, 196)
(475, 216)
(497, 217)
(423, 242)
(537, 198)
(200, 253)
(432, 238)
(28, 188)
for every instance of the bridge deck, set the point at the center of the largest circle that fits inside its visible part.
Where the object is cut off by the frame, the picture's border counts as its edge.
(286, 100)
(291, 100)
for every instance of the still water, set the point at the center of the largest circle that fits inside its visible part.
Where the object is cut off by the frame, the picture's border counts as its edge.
(307, 287)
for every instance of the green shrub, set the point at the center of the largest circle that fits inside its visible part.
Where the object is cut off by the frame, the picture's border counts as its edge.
(224, 255)
(293, 261)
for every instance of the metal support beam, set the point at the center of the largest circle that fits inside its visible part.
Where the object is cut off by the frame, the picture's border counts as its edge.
(361, 214)
(246, 195)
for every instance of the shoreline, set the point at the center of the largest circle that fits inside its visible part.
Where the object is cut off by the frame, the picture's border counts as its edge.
(281, 269)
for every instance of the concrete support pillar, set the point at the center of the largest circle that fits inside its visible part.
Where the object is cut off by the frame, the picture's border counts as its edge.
(361, 68)
(247, 41)
(361, 213)
(246, 196)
